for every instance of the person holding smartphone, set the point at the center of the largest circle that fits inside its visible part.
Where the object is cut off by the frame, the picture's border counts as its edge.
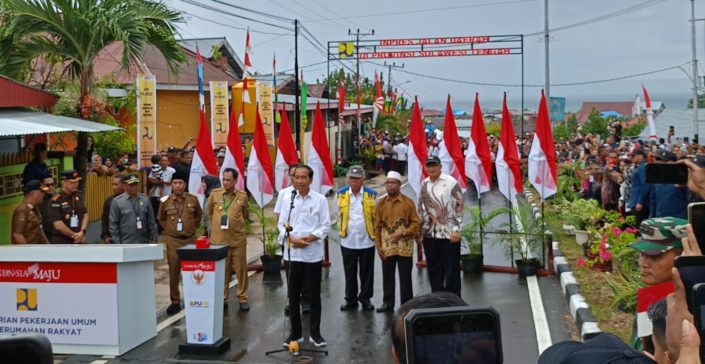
(668, 199)
(640, 190)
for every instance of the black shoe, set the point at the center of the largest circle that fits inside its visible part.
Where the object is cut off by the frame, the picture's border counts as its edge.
(305, 308)
(317, 340)
(244, 306)
(347, 306)
(291, 338)
(286, 310)
(173, 309)
(368, 306)
(385, 308)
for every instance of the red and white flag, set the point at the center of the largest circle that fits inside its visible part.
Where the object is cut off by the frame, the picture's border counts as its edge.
(542, 158)
(450, 152)
(649, 115)
(507, 161)
(418, 150)
(260, 177)
(379, 101)
(645, 297)
(245, 87)
(319, 155)
(286, 154)
(478, 160)
(234, 158)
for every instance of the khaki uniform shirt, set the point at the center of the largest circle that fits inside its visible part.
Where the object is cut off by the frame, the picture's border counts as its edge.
(27, 220)
(396, 214)
(236, 213)
(174, 209)
(61, 208)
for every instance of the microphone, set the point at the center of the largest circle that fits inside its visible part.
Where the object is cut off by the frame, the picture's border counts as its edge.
(293, 194)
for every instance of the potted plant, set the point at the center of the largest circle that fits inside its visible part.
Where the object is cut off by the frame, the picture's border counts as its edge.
(583, 215)
(271, 261)
(523, 234)
(472, 237)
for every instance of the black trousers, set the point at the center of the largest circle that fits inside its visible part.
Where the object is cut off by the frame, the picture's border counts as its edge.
(641, 215)
(443, 264)
(154, 202)
(305, 274)
(365, 260)
(387, 164)
(304, 288)
(389, 268)
(401, 167)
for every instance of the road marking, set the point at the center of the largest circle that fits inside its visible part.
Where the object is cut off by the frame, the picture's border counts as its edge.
(169, 321)
(543, 335)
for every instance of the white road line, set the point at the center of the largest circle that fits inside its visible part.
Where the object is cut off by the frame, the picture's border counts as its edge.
(543, 335)
(169, 321)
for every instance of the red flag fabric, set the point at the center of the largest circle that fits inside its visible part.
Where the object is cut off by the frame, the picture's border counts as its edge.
(203, 162)
(319, 155)
(245, 86)
(379, 101)
(507, 161)
(260, 177)
(649, 115)
(286, 154)
(418, 150)
(478, 160)
(234, 158)
(542, 158)
(450, 151)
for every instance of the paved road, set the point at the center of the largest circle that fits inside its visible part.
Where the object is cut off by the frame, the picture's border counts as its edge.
(363, 337)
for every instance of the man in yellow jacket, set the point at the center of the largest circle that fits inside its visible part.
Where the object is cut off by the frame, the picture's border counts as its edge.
(355, 207)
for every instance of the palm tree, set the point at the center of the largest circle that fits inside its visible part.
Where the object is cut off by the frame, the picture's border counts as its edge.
(76, 31)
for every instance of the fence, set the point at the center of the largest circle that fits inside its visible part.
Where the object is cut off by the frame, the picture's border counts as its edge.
(98, 189)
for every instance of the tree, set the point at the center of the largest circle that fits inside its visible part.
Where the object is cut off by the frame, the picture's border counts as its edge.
(596, 124)
(76, 31)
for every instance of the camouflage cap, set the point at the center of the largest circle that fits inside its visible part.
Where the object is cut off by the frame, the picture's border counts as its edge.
(659, 235)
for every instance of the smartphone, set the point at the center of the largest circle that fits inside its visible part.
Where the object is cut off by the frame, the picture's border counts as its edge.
(453, 334)
(696, 218)
(692, 271)
(698, 311)
(667, 173)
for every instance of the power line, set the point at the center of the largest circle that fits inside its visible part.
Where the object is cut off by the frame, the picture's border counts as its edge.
(233, 26)
(222, 11)
(303, 15)
(261, 13)
(336, 14)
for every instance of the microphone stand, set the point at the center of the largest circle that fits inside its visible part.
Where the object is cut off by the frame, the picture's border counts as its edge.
(295, 350)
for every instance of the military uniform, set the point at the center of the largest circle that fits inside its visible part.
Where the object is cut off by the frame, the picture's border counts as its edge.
(27, 220)
(179, 216)
(234, 209)
(67, 209)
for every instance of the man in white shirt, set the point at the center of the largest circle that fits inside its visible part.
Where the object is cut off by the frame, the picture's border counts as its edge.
(309, 224)
(355, 207)
(162, 185)
(401, 150)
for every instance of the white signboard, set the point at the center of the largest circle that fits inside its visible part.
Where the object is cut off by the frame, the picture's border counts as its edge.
(200, 285)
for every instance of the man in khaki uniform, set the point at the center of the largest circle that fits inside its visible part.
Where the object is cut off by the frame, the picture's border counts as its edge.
(26, 219)
(67, 211)
(179, 215)
(227, 211)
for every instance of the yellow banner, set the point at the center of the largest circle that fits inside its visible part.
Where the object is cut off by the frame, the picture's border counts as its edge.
(266, 112)
(250, 109)
(146, 119)
(219, 112)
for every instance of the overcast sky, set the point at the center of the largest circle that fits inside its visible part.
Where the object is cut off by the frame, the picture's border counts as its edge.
(615, 44)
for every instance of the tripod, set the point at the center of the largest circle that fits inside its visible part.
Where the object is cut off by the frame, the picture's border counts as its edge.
(294, 347)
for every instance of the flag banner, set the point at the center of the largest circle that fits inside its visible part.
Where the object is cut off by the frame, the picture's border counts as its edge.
(146, 119)
(260, 179)
(450, 151)
(649, 115)
(303, 102)
(542, 157)
(219, 112)
(286, 154)
(204, 162)
(507, 162)
(478, 160)
(645, 297)
(318, 157)
(418, 150)
(266, 112)
(234, 157)
(379, 101)
(246, 121)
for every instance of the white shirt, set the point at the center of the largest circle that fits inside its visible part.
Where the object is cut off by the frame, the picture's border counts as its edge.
(401, 150)
(166, 178)
(357, 237)
(309, 217)
(280, 197)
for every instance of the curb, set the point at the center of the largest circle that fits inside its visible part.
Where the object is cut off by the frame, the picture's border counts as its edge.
(584, 321)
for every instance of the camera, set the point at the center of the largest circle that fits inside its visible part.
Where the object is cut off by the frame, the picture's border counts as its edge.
(453, 335)
(156, 171)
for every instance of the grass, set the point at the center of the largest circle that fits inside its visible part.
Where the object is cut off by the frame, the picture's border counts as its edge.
(593, 286)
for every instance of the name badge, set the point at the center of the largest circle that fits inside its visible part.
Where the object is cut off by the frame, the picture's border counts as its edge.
(179, 226)
(139, 224)
(224, 222)
(591, 179)
(74, 221)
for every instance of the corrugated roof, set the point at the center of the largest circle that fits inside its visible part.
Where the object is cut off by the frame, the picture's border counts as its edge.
(25, 122)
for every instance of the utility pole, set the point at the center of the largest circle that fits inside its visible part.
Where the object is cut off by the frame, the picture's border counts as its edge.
(357, 83)
(389, 75)
(297, 113)
(695, 71)
(546, 38)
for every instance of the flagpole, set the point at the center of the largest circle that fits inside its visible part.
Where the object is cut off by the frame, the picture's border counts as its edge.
(510, 202)
(297, 114)
(264, 237)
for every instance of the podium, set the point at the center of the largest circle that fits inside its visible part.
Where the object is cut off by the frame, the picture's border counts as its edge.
(203, 277)
(91, 299)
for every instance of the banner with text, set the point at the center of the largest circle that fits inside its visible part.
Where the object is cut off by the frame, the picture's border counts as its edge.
(201, 279)
(146, 119)
(266, 112)
(219, 112)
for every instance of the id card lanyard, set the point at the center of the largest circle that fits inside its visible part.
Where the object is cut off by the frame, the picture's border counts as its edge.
(136, 210)
(179, 211)
(74, 217)
(224, 221)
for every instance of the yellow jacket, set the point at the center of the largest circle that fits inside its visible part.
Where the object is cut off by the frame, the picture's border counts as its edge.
(369, 197)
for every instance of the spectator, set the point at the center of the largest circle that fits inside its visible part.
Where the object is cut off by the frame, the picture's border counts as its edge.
(184, 165)
(48, 187)
(401, 151)
(160, 180)
(37, 168)
(97, 167)
(639, 199)
(118, 189)
(208, 184)
(131, 219)
(668, 200)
